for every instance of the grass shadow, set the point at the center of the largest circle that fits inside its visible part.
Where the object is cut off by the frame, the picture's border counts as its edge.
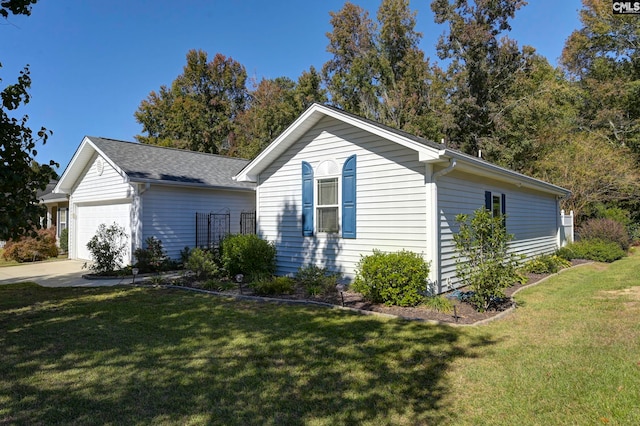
(130, 355)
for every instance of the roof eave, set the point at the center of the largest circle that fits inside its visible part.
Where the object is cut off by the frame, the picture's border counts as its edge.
(191, 185)
(501, 173)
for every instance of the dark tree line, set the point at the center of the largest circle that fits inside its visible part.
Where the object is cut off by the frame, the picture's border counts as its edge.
(577, 125)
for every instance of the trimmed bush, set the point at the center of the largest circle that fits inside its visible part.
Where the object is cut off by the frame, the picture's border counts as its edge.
(248, 255)
(30, 249)
(273, 286)
(202, 263)
(392, 278)
(546, 264)
(605, 230)
(317, 281)
(153, 258)
(598, 250)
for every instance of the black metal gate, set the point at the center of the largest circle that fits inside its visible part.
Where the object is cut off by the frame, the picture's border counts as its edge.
(248, 222)
(211, 228)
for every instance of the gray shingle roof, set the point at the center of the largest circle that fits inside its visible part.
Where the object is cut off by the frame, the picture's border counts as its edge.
(155, 164)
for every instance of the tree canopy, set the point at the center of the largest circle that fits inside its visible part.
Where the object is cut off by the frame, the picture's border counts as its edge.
(488, 94)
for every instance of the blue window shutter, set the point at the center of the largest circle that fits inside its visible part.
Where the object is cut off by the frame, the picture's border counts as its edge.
(487, 200)
(504, 204)
(307, 199)
(349, 198)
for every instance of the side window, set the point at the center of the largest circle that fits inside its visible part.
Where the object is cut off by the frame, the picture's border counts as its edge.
(329, 198)
(495, 202)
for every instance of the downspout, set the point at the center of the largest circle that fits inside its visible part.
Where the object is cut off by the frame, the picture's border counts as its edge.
(435, 226)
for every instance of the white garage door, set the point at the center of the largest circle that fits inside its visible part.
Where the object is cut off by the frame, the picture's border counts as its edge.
(89, 219)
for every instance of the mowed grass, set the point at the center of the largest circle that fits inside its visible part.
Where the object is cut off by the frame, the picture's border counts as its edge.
(568, 355)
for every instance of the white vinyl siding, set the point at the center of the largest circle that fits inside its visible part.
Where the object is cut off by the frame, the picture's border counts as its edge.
(169, 213)
(110, 185)
(97, 189)
(391, 206)
(164, 212)
(531, 217)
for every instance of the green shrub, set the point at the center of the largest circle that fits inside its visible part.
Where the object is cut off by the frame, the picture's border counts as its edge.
(484, 262)
(317, 281)
(202, 263)
(546, 264)
(30, 249)
(64, 240)
(392, 278)
(273, 286)
(616, 213)
(595, 249)
(605, 230)
(107, 247)
(438, 304)
(248, 255)
(152, 258)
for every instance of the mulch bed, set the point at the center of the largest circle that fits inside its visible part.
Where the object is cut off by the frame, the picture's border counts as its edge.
(465, 313)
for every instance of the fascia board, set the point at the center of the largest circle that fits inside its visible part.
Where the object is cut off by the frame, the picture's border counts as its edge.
(74, 168)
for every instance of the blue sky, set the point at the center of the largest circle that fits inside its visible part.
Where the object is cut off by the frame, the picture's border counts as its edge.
(93, 62)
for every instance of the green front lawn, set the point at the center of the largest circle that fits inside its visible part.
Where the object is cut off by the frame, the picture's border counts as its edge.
(124, 355)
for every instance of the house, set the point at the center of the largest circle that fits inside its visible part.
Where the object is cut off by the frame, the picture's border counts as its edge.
(334, 186)
(150, 191)
(57, 208)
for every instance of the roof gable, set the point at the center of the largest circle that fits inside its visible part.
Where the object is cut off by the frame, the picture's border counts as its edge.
(153, 164)
(428, 151)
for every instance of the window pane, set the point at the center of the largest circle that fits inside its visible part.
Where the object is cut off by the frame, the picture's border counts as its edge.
(327, 192)
(328, 219)
(497, 210)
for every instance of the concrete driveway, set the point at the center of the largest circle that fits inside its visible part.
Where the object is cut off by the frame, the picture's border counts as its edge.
(64, 273)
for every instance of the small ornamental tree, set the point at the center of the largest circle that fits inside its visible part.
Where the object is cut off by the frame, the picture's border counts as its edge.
(484, 262)
(107, 248)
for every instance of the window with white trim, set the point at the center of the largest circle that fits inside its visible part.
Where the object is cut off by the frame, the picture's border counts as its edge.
(327, 205)
(63, 214)
(329, 198)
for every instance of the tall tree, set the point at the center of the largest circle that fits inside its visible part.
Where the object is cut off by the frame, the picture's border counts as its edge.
(595, 171)
(198, 111)
(309, 89)
(603, 56)
(351, 75)
(272, 108)
(19, 207)
(482, 64)
(378, 70)
(407, 86)
(274, 105)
